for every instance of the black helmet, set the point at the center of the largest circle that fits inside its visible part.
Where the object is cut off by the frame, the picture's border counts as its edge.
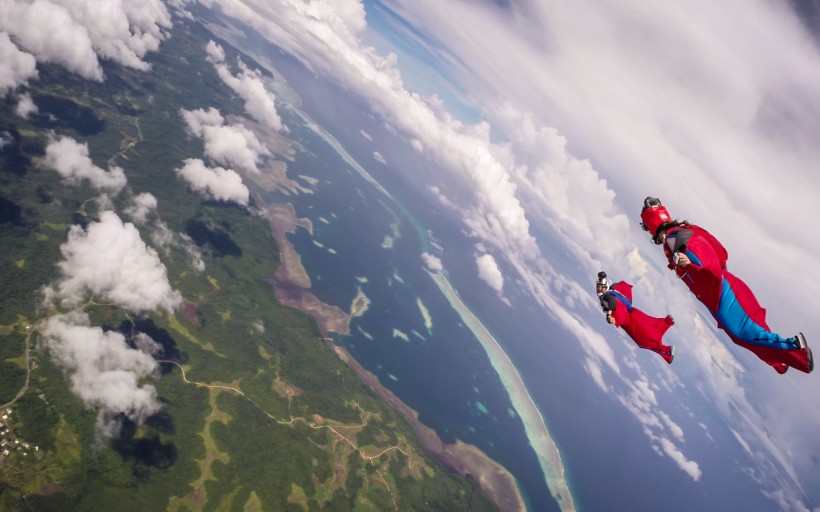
(650, 201)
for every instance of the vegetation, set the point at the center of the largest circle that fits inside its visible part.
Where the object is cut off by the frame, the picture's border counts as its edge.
(259, 414)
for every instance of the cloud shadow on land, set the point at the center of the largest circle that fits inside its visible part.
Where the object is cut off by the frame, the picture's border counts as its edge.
(161, 336)
(10, 212)
(15, 151)
(64, 113)
(146, 452)
(219, 242)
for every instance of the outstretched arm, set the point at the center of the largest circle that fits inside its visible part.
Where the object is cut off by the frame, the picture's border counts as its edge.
(609, 303)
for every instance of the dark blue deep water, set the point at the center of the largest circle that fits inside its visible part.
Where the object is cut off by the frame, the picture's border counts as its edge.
(363, 239)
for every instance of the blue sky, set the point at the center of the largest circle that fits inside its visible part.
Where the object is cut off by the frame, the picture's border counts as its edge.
(420, 70)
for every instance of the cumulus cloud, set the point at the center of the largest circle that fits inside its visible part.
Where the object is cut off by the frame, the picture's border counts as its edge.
(432, 262)
(48, 31)
(110, 261)
(146, 344)
(125, 31)
(489, 272)
(102, 369)
(248, 84)
(143, 211)
(16, 67)
(673, 427)
(71, 161)
(689, 466)
(77, 33)
(217, 183)
(642, 401)
(141, 207)
(231, 145)
(166, 239)
(25, 106)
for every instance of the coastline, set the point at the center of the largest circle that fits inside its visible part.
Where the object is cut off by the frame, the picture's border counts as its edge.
(291, 285)
(461, 458)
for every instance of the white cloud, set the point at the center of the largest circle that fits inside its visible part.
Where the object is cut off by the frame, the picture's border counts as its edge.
(165, 239)
(125, 31)
(146, 344)
(248, 84)
(16, 67)
(432, 262)
(50, 33)
(689, 466)
(180, 7)
(141, 207)
(216, 54)
(673, 427)
(231, 145)
(103, 370)
(71, 161)
(442, 198)
(143, 211)
(742, 442)
(595, 371)
(379, 158)
(25, 106)
(217, 183)
(488, 271)
(77, 33)
(110, 261)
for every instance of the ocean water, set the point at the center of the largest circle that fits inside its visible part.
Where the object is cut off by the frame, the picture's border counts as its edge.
(411, 337)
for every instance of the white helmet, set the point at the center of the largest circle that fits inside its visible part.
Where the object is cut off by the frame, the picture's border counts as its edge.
(602, 281)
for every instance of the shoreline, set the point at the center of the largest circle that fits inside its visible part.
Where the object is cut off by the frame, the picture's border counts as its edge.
(461, 458)
(291, 285)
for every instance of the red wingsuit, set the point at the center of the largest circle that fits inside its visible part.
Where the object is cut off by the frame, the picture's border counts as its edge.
(647, 331)
(729, 299)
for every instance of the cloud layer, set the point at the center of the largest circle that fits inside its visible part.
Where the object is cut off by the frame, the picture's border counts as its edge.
(711, 120)
(76, 34)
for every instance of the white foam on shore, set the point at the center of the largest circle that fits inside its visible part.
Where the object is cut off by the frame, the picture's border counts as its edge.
(340, 150)
(545, 448)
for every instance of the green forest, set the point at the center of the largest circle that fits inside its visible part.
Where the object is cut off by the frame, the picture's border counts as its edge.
(258, 412)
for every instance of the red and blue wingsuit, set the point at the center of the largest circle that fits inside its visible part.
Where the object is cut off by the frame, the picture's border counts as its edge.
(647, 331)
(729, 299)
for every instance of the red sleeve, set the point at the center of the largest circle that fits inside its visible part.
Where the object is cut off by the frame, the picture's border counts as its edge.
(720, 252)
(624, 289)
(705, 274)
(705, 259)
